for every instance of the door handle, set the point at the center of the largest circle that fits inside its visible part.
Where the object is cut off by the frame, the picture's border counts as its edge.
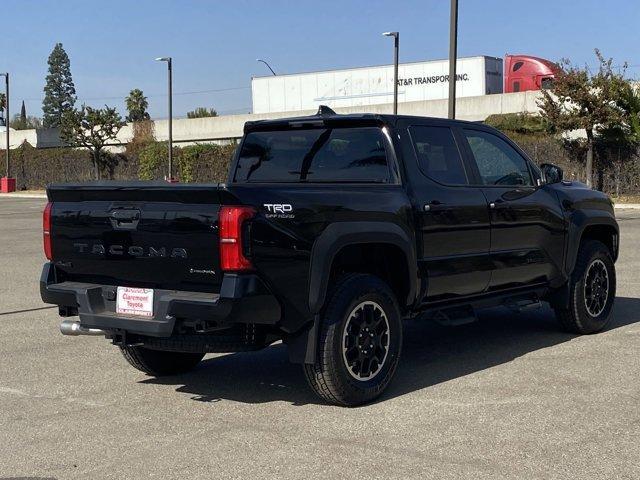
(497, 204)
(124, 218)
(433, 205)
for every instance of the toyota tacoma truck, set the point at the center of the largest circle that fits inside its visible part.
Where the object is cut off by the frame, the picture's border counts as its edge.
(330, 230)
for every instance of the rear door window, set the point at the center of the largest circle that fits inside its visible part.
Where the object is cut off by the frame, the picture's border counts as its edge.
(438, 154)
(314, 155)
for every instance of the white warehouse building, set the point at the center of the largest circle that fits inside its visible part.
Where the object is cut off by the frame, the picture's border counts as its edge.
(353, 87)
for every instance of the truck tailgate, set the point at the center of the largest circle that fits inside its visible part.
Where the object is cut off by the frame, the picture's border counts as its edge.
(150, 235)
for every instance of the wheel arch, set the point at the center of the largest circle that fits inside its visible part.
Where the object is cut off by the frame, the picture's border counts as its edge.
(595, 225)
(341, 241)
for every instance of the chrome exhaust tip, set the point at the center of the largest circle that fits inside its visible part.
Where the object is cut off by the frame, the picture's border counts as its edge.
(73, 328)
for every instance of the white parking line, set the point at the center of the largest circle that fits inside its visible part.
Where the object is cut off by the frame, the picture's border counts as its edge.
(20, 393)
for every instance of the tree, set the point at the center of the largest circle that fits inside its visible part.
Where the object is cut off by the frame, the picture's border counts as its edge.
(618, 144)
(137, 105)
(22, 121)
(23, 113)
(18, 123)
(630, 102)
(59, 91)
(202, 112)
(92, 128)
(580, 100)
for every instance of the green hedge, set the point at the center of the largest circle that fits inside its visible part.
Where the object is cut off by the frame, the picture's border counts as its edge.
(617, 172)
(521, 123)
(35, 168)
(194, 163)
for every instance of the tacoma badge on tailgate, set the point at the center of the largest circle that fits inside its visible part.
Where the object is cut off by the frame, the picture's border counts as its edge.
(133, 250)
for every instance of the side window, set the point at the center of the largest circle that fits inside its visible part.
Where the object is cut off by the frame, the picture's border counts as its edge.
(356, 154)
(438, 154)
(498, 162)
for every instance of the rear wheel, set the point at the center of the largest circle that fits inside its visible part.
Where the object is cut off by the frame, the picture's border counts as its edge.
(592, 290)
(159, 362)
(360, 342)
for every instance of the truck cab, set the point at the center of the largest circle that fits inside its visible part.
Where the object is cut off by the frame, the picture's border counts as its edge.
(525, 72)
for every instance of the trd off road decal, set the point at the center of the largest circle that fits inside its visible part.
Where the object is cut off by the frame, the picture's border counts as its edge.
(279, 210)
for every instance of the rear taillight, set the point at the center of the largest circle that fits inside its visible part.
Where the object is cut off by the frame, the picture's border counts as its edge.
(232, 257)
(46, 230)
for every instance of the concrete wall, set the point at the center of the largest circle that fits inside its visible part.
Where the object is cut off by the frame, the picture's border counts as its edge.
(224, 128)
(43, 138)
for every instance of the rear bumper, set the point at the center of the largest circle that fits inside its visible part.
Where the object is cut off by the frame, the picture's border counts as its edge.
(242, 299)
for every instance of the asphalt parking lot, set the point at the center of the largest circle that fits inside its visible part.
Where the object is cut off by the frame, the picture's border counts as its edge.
(506, 397)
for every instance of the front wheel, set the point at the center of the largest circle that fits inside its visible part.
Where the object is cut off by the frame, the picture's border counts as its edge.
(360, 342)
(592, 290)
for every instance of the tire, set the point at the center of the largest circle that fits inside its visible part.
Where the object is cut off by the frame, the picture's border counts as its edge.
(590, 306)
(158, 362)
(347, 371)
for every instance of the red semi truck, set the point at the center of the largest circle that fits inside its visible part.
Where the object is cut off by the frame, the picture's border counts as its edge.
(524, 72)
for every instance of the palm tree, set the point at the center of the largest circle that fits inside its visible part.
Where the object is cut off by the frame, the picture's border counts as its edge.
(137, 105)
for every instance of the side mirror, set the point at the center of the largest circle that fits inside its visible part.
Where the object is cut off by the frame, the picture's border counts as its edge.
(551, 173)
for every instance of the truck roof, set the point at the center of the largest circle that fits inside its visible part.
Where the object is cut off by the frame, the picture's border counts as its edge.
(327, 116)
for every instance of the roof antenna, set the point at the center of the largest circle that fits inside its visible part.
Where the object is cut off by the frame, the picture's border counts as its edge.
(323, 111)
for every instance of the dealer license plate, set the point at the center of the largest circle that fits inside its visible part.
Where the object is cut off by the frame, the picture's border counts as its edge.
(135, 301)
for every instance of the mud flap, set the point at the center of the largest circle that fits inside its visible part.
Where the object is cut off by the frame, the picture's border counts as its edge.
(303, 345)
(559, 297)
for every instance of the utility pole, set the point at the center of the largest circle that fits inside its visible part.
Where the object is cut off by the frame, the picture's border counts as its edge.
(169, 72)
(7, 184)
(7, 154)
(453, 56)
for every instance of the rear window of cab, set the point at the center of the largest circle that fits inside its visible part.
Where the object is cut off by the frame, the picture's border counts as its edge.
(314, 155)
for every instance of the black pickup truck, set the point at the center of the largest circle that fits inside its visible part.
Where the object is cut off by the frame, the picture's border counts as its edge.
(330, 231)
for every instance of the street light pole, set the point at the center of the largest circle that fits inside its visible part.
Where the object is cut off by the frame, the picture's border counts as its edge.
(6, 109)
(396, 53)
(169, 73)
(268, 66)
(453, 54)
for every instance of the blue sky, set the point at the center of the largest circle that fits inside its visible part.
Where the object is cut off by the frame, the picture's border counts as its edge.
(214, 43)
